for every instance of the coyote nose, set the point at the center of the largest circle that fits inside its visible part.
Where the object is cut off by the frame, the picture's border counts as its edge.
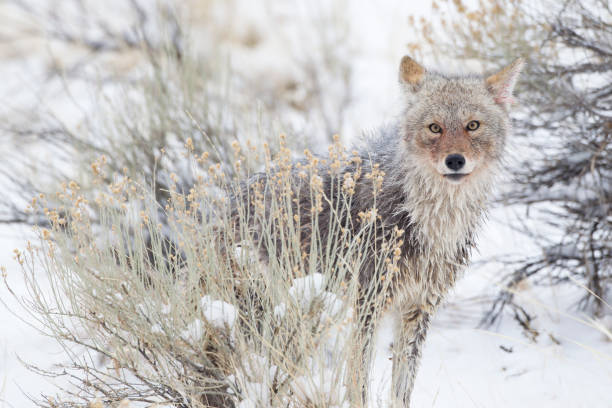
(454, 161)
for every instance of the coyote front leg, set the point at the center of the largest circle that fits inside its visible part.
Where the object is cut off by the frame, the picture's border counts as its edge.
(410, 334)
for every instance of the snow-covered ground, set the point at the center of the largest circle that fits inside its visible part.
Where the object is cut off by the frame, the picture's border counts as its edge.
(19, 340)
(568, 365)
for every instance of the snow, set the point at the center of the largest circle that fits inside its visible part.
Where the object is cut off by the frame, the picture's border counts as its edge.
(321, 387)
(310, 290)
(568, 365)
(323, 381)
(157, 329)
(19, 340)
(462, 366)
(255, 380)
(218, 313)
(194, 331)
(467, 367)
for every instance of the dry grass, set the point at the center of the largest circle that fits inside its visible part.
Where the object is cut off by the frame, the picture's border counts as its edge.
(156, 293)
(185, 312)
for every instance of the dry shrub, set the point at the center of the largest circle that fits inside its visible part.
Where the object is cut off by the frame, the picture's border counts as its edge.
(156, 292)
(126, 79)
(221, 305)
(562, 169)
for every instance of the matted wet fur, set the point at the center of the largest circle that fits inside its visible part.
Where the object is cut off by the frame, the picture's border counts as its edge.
(439, 162)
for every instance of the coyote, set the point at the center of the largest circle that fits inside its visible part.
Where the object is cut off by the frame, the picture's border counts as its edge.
(440, 160)
(440, 165)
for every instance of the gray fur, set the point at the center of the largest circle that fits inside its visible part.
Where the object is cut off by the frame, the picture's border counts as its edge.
(439, 217)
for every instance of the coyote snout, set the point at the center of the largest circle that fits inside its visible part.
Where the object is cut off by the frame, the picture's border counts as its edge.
(455, 162)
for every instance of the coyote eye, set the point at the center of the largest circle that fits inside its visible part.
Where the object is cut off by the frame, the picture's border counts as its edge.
(473, 125)
(435, 128)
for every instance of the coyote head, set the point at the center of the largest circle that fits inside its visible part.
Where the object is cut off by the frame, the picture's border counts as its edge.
(455, 127)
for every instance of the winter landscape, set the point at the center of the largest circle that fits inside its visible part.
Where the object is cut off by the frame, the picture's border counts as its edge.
(123, 122)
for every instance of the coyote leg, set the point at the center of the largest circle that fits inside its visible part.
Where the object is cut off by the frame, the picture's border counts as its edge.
(408, 342)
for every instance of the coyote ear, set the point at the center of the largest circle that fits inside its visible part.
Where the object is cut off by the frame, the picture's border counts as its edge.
(411, 73)
(502, 83)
